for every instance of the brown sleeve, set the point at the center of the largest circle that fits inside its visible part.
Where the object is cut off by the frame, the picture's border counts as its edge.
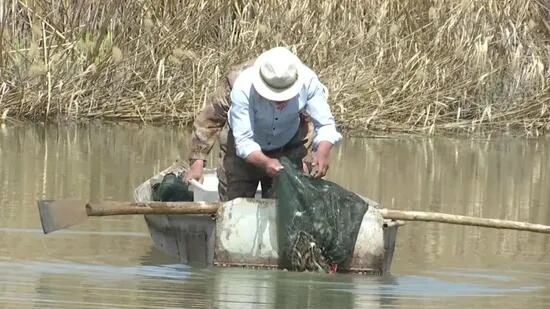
(212, 118)
(209, 123)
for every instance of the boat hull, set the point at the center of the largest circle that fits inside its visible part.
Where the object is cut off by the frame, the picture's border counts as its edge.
(243, 233)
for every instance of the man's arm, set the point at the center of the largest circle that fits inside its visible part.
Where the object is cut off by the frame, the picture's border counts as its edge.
(324, 124)
(210, 122)
(241, 121)
(206, 128)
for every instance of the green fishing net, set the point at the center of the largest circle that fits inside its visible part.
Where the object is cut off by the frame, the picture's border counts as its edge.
(171, 189)
(317, 221)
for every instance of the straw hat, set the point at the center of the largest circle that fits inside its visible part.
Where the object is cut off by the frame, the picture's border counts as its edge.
(277, 74)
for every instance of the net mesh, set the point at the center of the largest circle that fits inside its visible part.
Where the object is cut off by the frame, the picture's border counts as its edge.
(317, 221)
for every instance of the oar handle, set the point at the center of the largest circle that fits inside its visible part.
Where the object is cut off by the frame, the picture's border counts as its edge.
(111, 208)
(462, 220)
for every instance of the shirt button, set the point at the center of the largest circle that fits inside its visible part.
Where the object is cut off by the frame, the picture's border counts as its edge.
(276, 118)
(269, 144)
(273, 129)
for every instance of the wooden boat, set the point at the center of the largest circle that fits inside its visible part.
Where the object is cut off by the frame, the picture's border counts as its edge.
(243, 233)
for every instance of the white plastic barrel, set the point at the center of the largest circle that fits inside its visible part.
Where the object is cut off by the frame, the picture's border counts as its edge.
(207, 191)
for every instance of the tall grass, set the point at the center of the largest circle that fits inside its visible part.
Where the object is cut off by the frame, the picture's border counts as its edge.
(407, 65)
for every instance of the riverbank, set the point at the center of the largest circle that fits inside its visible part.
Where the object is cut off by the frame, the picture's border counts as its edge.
(390, 66)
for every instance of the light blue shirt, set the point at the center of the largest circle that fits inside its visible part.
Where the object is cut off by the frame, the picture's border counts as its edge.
(258, 125)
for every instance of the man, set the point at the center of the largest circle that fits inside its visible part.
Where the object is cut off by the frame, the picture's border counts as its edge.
(211, 124)
(264, 121)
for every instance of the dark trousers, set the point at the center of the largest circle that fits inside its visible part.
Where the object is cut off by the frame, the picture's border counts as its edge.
(238, 178)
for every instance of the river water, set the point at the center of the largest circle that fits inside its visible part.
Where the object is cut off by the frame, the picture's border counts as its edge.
(110, 262)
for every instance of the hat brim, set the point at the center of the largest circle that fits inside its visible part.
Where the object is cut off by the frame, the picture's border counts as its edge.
(274, 94)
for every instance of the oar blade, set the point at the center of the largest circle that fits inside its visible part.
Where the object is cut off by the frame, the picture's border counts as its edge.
(59, 214)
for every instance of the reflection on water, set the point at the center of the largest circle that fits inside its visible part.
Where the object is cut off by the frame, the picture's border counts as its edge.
(110, 262)
(176, 286)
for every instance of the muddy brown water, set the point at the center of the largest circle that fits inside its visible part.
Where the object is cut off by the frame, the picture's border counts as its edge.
(111, 263)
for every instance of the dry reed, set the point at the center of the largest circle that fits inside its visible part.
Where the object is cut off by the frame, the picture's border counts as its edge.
(406, 66)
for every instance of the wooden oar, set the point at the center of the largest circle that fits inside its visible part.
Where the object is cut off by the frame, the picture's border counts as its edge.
(58, 214)
(407, 215)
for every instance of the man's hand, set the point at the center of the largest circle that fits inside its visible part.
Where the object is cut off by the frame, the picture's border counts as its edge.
(321, 159)
(272, 167)
(305, 167)
(269, 165)
(195, 171)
